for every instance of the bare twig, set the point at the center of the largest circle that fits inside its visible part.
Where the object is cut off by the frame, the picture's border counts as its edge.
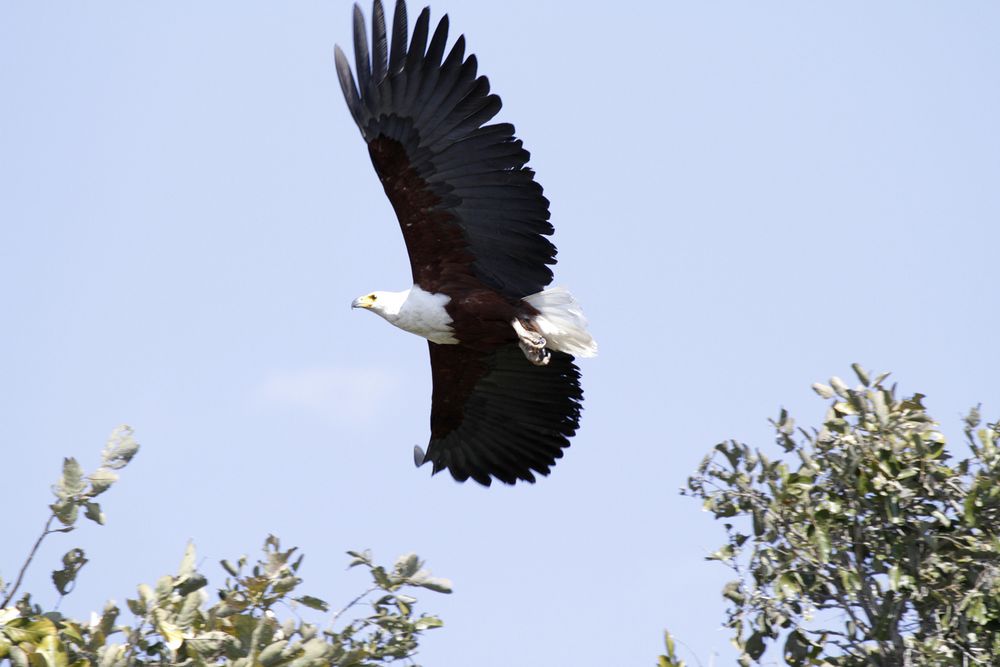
(351, 604)
(24, 568)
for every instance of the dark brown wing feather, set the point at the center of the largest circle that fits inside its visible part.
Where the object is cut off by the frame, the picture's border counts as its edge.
(467, 205)
(495, 415)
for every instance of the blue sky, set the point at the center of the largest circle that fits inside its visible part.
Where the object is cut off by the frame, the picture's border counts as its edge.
(747, 198)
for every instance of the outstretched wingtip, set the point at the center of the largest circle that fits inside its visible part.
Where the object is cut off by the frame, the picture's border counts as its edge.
(397, 50)
(380, 43)
(362, 59)
(347, 84)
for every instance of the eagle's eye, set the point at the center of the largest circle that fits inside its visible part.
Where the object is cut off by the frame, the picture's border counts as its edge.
(374, 298)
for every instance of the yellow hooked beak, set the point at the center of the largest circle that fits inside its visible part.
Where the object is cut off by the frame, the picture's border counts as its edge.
(366, 301)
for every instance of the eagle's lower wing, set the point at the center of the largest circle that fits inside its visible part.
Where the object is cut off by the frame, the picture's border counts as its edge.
(495, 415)
(466, 203)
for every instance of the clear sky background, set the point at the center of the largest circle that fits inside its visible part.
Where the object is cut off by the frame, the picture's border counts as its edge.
(747, 198)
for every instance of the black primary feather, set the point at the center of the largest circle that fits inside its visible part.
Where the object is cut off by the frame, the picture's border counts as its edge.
(361, 58)
(380, 44)
(399, 27)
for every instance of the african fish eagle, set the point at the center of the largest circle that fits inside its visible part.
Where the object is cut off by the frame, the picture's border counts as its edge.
(506, 395)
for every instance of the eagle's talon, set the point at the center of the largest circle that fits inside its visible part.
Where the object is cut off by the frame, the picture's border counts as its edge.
(539, 356)
(531, 343)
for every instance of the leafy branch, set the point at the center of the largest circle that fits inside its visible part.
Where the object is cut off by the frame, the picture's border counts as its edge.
(76, 491)
(867, 517)
(173, 624)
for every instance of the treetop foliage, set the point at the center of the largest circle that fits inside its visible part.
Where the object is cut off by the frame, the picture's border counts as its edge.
(174, 623)
(869, 544)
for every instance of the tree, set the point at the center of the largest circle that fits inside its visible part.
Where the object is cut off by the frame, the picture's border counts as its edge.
(868, 544)
(173, 624)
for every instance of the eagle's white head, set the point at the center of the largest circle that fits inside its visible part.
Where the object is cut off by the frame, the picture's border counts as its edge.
(383, 304)
(412, 310)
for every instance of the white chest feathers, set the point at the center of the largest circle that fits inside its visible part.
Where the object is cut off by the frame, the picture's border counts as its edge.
(418, 312)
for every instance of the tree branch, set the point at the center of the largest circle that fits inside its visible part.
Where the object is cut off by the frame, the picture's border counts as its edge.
(24, 568)
(352, 603)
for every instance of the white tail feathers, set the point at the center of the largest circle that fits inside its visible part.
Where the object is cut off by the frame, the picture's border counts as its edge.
(562, 323)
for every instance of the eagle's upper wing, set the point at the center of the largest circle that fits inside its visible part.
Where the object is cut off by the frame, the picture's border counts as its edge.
(494, 414)
(466, 203)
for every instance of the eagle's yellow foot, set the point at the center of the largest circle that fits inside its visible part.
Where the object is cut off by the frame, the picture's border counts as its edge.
(531, 343)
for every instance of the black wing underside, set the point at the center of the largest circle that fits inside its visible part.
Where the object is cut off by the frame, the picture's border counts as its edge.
(495, 415)
(466, 203)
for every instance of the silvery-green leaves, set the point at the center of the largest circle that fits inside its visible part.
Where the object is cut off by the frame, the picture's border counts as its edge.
(392, 626)
(669, 659)
(407, 571)
(865, 546)
(75, 490)
(175, 622)
(73, 560)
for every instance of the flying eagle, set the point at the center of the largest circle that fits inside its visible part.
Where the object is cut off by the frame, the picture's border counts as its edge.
(506, 395)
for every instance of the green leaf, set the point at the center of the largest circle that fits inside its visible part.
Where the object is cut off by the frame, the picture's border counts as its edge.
(845, 408)
(788, 586)
(723, 553)
(434, 584)
(191, 583)
(94, 513)
(427, 623)
(272, 654)
(849, 580)
(21, 630)
(894, 577)
(880, 378)
(66, 511)
(120, 448)
(408, 565)
(838, 386)
(71, 483)
(315, 651)
(137, 607)
(52, 652)
(101, 481)
(942, 519)
(18, 657)
(313, 603)
(861, 373)
(796, 649)
(172, 635)
(823, 390)
(755, 646)
(381, 578)
(360, 558)
(969, 508)
(188, 562)
(73, 560)
(822, 540)
(732, 591)
(881, 410)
